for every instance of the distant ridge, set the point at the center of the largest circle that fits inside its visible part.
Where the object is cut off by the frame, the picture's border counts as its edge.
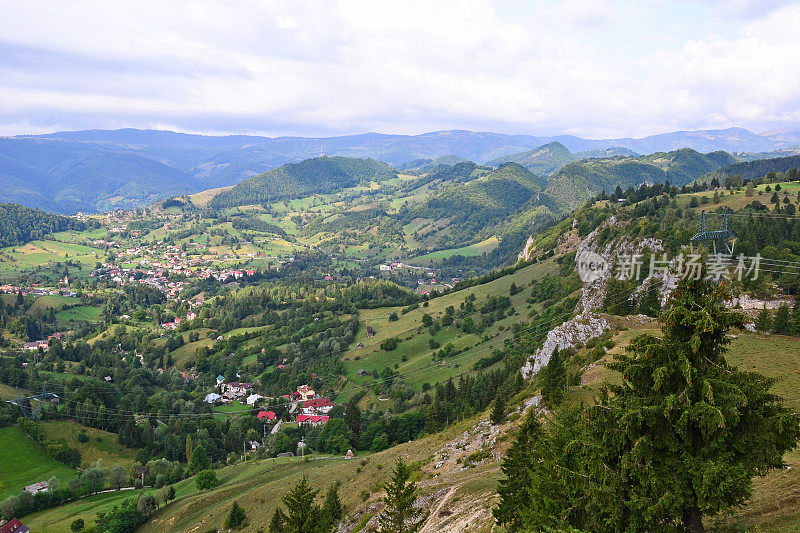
(96, 170)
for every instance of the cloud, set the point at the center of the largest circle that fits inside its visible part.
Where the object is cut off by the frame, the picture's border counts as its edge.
(591, 67)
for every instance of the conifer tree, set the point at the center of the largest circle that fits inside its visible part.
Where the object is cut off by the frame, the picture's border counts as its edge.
(276, 522)
(333, 505)
(782, 324)
(236, 517)
(681, 438)
(498, 410)
(399, 514)
(763, 321)
(796, 317)
(302, 514)
(554, 380)
(518, 467)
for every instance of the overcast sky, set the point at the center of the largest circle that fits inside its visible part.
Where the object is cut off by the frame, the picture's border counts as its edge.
(593, 68)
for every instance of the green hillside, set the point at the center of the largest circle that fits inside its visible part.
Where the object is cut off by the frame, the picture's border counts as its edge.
(578, 181)
(312, 176)
(752, 170)
(544, 161)
(20, 224)
(484, 202)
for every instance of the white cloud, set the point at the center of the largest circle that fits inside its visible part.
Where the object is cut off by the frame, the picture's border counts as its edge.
(589, 67)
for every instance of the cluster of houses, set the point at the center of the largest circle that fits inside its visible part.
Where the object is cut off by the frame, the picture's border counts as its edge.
(233, 392)
(27, 291)
(43, 344)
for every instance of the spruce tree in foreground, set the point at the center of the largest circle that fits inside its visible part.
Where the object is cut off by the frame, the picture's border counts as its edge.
(236, 517)
(302, 514)
(553, 380)
(681, 438)
(399, 514)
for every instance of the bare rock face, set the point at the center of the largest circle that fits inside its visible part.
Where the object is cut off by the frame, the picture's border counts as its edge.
(587, 324)
(576, 331)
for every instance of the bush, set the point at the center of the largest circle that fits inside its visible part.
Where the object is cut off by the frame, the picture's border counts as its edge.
(389, 344)
(206, 479)
(77, 524)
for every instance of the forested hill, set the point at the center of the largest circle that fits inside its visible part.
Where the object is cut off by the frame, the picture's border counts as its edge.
(544, 160)
(752, 170)
(317, 175)
(578, 181)
(20, 224)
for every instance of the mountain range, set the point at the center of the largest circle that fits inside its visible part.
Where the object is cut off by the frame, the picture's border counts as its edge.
(97, 170)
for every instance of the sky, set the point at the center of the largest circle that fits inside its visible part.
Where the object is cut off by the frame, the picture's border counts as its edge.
(593, 68)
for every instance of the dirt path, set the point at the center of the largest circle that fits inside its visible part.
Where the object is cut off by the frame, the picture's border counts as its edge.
(429, 526)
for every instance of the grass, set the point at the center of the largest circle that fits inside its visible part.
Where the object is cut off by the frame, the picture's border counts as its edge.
(419, 365)
(81, 313)
(472, 250)
(24, 462)
(101, 445)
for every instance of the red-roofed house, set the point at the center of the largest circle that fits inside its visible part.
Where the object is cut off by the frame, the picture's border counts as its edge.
(14, 526)
(317, 405)
(267, 415)
(314, 420)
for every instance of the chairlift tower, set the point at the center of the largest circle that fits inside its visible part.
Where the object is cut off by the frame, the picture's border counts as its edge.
(721, 241)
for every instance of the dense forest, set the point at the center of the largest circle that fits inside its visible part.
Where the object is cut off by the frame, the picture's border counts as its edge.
(20, 224)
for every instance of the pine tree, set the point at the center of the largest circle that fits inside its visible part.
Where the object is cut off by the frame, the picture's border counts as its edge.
(276, 523)
(796, 317)
(236, 517)
(680, 438)
(782, 324)
(650, 302)
(399, 514)
(332, 508)
(498, 410)
(554, 380)
(518, 467)
(302, 514)
(763, 320)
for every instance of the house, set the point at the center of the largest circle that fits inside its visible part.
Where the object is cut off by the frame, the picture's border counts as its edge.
(305, 392)
(313, 420)
(220, 380)
(14, 526)
(350, 455)
(328, 278)
(253, 398)
(254, 445)
(40, 486)
(285, 454)
(266, 415)
(212, 398)
(317, 405)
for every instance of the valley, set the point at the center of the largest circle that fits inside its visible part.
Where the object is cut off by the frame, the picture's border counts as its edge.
(343, 307)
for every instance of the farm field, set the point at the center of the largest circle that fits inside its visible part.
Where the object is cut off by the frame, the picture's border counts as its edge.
(101, 445)
(24, 463)
(81, 313)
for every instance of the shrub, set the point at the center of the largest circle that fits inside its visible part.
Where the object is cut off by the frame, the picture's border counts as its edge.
(206, 479)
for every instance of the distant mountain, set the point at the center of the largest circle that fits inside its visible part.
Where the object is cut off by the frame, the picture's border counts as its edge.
(606, 152)
(545, 160)
(423, 165)
(578, 181)
(133, 161)
(66, 177)
(317, 175)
